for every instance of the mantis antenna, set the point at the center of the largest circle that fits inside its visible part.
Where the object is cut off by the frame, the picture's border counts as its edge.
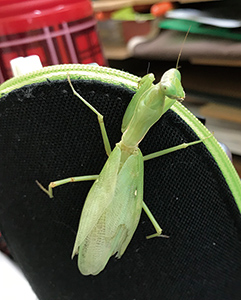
(180, 52)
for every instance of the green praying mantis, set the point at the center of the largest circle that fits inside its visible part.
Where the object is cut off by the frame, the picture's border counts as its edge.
(114, 203)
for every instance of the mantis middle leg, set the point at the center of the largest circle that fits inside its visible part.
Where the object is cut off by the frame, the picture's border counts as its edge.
(100, 119)
(154, 155)
(173, 149)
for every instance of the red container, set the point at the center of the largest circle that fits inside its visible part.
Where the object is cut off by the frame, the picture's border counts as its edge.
(57, 31)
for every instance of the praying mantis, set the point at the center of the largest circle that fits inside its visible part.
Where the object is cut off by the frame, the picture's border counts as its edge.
(114, 203)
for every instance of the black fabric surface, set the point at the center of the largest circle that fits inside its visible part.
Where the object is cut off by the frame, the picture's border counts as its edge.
(46, 133)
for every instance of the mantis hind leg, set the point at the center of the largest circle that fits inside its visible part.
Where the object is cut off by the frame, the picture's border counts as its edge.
(154, 223)
(53, 184)
(99, 116)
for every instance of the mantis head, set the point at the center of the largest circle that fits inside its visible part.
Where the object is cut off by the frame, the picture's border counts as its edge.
(171, 85)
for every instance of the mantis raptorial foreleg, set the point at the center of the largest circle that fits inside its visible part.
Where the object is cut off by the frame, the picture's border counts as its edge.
(53, 184)
(99, 116)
